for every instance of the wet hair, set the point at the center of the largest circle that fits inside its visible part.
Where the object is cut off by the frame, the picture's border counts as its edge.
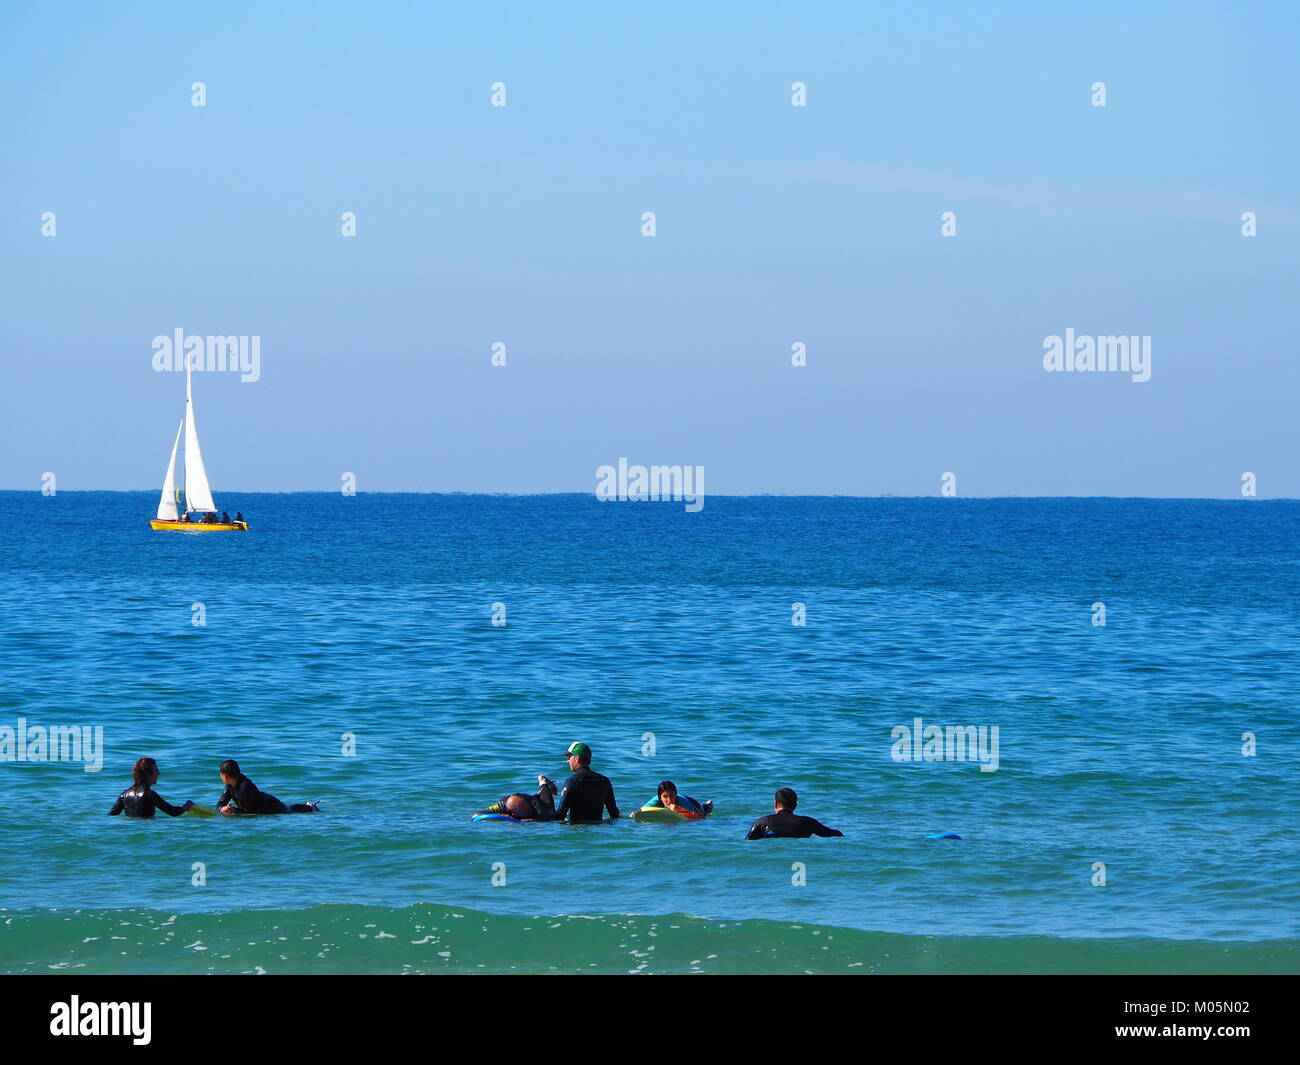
(230, 768)
(787, 798)
(666, 785)
(144, 770)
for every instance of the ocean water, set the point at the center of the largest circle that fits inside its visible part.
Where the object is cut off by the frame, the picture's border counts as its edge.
(664, 640)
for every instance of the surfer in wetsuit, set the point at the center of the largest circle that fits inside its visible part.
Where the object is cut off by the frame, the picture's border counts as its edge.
(242, 796)
(539, 807)
(140, 800)
(586, 794)
(668, 798)
(787, 824)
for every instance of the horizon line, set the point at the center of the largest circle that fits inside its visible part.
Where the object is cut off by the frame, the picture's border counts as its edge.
(714, 495)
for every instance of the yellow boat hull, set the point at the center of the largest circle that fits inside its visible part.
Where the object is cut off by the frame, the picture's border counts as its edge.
(195, 526)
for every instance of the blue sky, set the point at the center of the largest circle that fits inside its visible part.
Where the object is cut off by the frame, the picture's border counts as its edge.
(775, 224)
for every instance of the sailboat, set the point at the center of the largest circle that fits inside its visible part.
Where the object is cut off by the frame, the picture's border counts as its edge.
(198, 493)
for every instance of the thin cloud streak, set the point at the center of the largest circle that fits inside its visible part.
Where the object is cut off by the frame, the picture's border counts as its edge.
(1038, 196)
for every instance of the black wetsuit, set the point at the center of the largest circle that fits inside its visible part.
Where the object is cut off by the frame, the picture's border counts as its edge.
(139, 801)
(584, 795)
(787, 825)
(542, 805)
(244, 794)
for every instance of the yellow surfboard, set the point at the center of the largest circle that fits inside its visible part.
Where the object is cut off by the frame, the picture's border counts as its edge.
(658, 815)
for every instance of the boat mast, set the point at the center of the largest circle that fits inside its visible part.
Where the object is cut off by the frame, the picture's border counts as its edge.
(188, 402)
(198, 491)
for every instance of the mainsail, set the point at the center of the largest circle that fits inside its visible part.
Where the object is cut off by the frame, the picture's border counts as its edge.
(167, 504)
(198, 493)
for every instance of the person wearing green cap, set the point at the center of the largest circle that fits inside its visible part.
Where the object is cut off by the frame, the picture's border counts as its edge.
(586, 794)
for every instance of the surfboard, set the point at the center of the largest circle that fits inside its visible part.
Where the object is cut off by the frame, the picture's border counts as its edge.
(201, 811)
(658, 815)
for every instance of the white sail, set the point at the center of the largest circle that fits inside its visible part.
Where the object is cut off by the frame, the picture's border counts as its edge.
(198, 493)
(167, 504)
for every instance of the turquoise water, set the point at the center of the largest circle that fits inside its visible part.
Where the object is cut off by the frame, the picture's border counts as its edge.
(372, 616)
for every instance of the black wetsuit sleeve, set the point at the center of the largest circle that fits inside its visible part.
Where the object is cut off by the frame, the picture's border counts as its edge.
(818, 829)
(544, 804)
(226, 796)
(118, 807)
(758, 830)
(162, 804)
(610, 804)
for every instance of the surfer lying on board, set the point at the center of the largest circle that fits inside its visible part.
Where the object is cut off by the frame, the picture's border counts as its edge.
(539, 807)
(787, 824)
(140, 800)
(243, 797)
(668, 798)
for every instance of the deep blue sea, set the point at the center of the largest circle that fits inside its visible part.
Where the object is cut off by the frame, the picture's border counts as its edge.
(664, 639)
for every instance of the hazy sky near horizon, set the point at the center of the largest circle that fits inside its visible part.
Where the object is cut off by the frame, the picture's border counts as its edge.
(775, 225)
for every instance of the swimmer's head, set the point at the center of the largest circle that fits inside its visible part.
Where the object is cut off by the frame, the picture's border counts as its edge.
(668, 793)
(786, 799)
(579, 754)
(229, 771)
(145, 772)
